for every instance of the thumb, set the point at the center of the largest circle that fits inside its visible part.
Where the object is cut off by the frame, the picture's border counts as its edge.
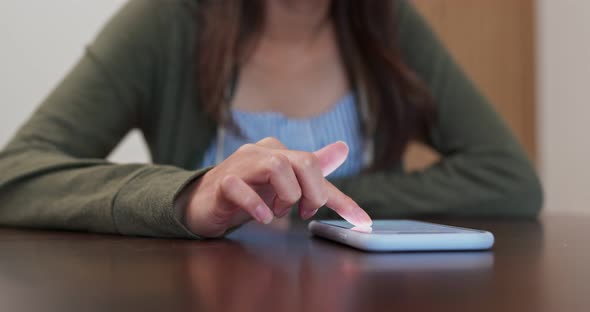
(332, 156)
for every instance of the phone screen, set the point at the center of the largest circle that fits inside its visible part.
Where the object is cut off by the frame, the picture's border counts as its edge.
(400, 227)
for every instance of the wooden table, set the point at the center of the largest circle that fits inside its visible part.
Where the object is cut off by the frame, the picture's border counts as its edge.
(534, 266)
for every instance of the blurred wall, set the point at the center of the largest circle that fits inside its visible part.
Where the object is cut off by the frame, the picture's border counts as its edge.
(41, 40)
(564, 103)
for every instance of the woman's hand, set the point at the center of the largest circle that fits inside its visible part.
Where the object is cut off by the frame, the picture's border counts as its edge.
(263, 181)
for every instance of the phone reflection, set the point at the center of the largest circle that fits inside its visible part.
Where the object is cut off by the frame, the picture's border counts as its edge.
(404, 279)
(320, 275)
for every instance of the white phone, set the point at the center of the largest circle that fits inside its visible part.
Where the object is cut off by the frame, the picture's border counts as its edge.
(403, 235)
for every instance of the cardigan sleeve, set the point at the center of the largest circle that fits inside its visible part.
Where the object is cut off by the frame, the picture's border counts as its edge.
(53, 172)
(483, 170)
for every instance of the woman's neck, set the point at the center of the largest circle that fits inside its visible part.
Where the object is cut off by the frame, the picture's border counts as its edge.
(295, 22)
(295, 67)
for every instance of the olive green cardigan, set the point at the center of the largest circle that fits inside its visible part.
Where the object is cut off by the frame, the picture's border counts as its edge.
(138, 73)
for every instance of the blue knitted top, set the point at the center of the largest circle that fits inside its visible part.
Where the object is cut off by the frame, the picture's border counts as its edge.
(340, 123)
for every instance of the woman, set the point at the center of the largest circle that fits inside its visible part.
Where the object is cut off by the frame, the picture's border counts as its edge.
(208, 82)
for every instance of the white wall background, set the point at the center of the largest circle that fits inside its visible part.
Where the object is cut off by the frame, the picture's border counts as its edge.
(563, 89)
(41, 40)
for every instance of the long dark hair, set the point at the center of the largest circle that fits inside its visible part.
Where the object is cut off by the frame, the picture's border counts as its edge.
(400, 106)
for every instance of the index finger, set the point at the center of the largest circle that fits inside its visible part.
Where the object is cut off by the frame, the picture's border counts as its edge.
(346, 207)
(271, 142)
(332, 156)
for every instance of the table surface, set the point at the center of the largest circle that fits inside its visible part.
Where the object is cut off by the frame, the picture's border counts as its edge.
(534, 266)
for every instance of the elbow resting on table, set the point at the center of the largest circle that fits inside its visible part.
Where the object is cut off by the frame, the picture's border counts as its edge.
(532, 199)
(525, 197)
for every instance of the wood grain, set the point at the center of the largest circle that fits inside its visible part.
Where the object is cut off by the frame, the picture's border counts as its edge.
(534, 266)
(494, 43)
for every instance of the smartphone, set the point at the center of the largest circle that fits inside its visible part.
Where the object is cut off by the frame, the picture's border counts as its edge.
(403, 235)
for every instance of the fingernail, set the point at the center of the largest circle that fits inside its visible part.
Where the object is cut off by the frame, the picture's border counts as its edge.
(263, 215)
(309, 214)
(363, 218)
